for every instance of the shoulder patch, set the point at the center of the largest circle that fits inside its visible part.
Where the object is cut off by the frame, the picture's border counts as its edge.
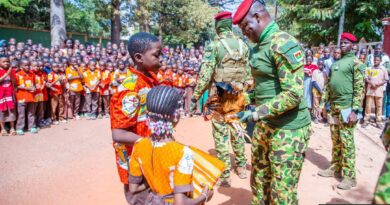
(288, 46)
(130, 103)
(128, 83)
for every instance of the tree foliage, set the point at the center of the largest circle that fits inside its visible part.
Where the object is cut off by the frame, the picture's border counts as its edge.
(176, 22)
(15, 6)
(34, 14)
(316, 21)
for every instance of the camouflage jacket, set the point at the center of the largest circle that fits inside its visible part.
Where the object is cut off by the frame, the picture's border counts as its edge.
(277, 68)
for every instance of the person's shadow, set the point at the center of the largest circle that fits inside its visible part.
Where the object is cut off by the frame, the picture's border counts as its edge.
(237, 196)
(317, 159)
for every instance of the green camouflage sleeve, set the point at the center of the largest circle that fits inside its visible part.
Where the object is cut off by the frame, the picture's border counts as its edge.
(206, 72)
(358, 82)
(290, 74)
(325, 96)
(248, 76)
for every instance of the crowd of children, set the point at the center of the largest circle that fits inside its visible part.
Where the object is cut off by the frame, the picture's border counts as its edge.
(45, 86)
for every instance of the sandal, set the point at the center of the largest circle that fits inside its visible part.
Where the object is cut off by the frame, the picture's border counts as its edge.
(12, 132)
(4, 133)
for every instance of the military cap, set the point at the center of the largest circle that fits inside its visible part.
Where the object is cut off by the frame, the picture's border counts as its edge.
(223, 15)
(241, 11)
(348, 36)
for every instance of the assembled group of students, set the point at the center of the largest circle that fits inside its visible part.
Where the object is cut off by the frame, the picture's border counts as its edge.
(40, 86)
(35, 98)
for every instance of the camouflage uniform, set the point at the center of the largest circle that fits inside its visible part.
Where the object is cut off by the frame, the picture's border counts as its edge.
(222, 132)
(344, 91)
(382, 191)
(282, 133)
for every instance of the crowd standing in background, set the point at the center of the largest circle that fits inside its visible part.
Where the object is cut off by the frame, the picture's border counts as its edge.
(46, 86)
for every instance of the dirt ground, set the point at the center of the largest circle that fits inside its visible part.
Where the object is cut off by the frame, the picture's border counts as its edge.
(74, 164)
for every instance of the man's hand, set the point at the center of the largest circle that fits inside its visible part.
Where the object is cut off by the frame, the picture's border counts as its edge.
(352, 118)
(248, 116)
(193, 105)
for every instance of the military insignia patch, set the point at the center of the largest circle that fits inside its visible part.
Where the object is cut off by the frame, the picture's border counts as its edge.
(130, 103)
(298, 56)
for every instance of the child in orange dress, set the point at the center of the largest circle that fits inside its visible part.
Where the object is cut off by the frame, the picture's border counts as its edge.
(166, 165)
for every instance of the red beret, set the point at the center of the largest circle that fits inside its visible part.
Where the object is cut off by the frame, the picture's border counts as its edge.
(348, 36)
(242, 10)
(223, 15)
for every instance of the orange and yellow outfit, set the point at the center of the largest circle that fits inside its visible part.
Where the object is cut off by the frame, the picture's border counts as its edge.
(117, 75)
(166, 166)
(92, 79)
(105, 92)
(128, 112)
(25, 99)
(75, 88)
(41, 96)
(56, 95)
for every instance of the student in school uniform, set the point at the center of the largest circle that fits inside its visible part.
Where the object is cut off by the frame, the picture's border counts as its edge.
(25, 98)
(75, 77)
(7, 96)
(92, 79)
(104, 102)
(55, 85)
(39, 98)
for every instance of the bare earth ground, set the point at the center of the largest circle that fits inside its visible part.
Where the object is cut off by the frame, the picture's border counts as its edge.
(74, 164)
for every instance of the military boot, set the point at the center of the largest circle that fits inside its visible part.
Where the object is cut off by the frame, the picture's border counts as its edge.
(241, 172)
(347, 184)
(224, 182)
(330, 172)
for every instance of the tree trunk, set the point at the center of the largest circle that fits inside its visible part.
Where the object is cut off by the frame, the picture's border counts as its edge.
(145, 25)
(116, 21)
(341, 22)
(57, 22)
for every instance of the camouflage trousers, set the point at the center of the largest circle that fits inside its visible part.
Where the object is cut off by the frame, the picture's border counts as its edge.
(277, 159)
(223, 134)
(382, 191)
(343, 149)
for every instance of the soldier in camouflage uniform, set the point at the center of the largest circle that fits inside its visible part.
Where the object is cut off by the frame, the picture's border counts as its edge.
(283, 120)
(382, 191)
(215, 55)
(344, 92)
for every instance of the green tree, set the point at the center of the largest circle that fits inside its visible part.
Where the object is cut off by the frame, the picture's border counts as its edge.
(81, 17)
(316, 21)
(15, 6)
(175, 22)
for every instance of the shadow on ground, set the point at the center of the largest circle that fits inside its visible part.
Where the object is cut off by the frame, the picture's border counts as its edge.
(237, 196)
(317, 159)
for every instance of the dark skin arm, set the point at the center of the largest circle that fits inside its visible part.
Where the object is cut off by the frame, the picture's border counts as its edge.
(182, 199)
(136, 188)
(124, 137)
(5, 75)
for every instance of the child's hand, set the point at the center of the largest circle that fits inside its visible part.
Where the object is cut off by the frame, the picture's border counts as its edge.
(207, 193)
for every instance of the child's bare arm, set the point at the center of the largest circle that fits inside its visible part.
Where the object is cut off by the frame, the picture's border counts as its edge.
(136, 188)
(5, 75)
(124, 137)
